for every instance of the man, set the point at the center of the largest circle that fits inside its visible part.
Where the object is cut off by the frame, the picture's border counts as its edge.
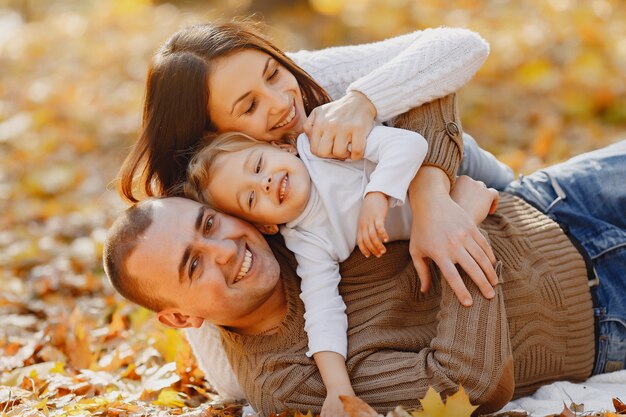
(190, 264)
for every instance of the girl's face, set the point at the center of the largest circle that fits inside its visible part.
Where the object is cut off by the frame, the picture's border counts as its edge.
(262, 184)
(252, 93)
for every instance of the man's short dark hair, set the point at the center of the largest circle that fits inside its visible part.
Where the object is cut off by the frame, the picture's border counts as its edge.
(121, 241)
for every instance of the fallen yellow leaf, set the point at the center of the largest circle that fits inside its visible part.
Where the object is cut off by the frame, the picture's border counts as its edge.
(457, 405)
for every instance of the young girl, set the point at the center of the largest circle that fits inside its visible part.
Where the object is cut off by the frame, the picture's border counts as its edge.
(313, 201)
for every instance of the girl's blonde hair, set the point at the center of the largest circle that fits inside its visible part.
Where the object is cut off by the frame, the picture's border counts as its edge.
(202, 165)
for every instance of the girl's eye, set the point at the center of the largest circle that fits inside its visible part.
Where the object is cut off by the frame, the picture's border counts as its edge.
(252, 107)
(257, 169)
(251, 199)
(208, 224)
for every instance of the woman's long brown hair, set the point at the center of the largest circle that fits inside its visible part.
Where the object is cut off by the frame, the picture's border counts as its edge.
(175, 113)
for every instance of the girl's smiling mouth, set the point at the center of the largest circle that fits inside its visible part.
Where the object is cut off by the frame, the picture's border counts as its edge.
(282, 190)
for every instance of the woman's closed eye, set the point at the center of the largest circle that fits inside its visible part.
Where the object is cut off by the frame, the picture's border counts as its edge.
(251, 107)
(274, 73)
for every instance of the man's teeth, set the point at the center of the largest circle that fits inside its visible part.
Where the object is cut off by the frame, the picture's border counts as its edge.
(288, 119)
(245, 266)
(283, 187)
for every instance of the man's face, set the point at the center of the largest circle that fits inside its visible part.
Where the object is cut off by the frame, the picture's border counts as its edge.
(208, 265)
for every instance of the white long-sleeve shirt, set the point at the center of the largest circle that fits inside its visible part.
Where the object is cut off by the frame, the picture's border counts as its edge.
(395, 74)
(325, 233)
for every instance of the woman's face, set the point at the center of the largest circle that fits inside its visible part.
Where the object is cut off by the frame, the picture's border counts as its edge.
(251, 92)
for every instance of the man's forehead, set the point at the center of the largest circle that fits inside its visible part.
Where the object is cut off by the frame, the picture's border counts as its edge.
(173, 220)
(160, 247)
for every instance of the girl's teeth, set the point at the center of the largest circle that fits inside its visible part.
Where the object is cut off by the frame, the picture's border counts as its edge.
(289, 118)
(245, 267)
(283, 187)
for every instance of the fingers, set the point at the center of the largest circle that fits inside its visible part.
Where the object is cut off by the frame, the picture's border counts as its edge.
(358, 139)
(340, 146)
(476, 274)
(325, 146)
(482, 261)
(362, 246)
(486, 248)
(423, 272)
(377, 248)
(381, 232)
(494, 203)
(370, 238)
(452, 276)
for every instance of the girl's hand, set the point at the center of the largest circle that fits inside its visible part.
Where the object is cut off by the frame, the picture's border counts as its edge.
(371, 225)
(333, 407)
(339, 129)
(443, 232)
(475, 198)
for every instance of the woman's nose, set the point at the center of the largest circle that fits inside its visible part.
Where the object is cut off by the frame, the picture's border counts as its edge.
(279, 101)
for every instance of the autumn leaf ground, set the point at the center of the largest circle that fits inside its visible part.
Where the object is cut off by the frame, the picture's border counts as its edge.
(71, 89)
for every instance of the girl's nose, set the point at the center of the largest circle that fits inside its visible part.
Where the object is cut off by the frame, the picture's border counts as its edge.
(267, 183)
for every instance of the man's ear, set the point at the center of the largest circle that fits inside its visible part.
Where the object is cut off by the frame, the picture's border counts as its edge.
(175, 318)
(285, 146)
(267, 229)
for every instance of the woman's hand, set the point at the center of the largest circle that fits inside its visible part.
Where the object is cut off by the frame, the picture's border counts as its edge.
(339, 129)
(475, 198)
(443, 232)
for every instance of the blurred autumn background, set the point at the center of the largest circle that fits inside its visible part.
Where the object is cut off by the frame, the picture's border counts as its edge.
(71, 90)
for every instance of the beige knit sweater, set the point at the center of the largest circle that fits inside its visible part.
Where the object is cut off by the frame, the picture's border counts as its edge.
(538, 328)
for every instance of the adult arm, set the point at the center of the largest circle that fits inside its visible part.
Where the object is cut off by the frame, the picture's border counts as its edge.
(441, 230)
(399, 73)
(383, 79)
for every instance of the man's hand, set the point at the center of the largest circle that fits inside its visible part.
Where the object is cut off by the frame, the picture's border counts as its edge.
(475, 198)
(339, 129)
(443, 232)
(371, 231)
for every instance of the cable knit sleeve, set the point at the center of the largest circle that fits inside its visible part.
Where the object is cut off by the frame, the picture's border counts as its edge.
(400, 73)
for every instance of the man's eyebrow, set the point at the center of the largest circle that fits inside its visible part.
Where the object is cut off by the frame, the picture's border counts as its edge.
(267, 63)
(181, 267)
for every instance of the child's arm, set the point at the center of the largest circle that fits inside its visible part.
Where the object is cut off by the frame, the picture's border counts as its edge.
(398, 154)
(332, 367)
(326, 323)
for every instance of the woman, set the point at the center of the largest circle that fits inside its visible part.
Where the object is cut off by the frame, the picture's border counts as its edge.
(273, 93)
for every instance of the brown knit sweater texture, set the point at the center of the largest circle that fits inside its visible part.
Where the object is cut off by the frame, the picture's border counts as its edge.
(538, 329)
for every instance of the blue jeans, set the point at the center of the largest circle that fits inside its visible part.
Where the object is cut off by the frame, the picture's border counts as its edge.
(587, 197)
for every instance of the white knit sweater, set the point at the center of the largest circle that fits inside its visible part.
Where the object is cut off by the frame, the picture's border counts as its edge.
(396, 74)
